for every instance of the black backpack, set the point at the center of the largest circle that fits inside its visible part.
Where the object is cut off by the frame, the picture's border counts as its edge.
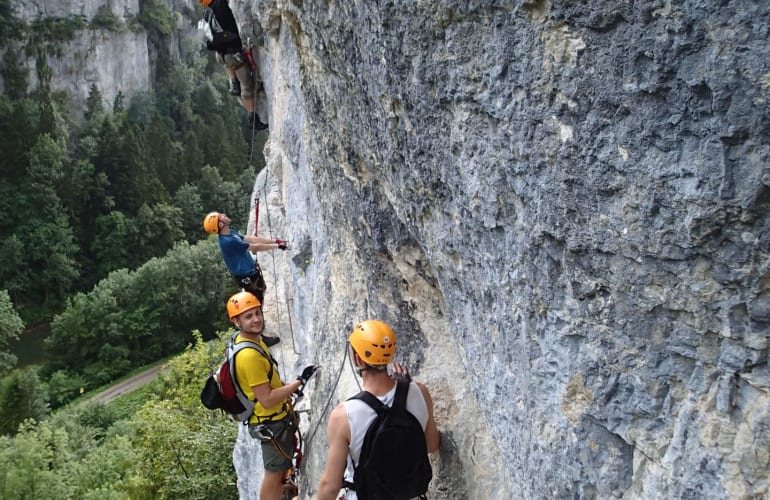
(222, 392)
(393, 464)
(217, 37)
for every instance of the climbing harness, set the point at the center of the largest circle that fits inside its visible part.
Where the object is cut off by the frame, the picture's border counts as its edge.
(267, 434)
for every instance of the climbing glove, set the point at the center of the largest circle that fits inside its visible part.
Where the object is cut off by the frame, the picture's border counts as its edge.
(282, 244)
(307, 373)
(400, 373)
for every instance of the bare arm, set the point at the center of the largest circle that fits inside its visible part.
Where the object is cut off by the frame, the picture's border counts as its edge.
(338, 435)
(432, 438)
(258, 239)
(259, 244)
(262, 247)
(269, 397)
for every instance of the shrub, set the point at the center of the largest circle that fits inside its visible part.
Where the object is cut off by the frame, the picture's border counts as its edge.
(105, 19)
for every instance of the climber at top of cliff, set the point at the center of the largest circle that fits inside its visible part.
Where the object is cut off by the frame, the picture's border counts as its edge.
(223, 38)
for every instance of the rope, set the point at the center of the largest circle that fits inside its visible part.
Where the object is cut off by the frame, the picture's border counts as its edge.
(275, 270)
(254, 102)
(309, 440)
(291, 327)
(256, 215)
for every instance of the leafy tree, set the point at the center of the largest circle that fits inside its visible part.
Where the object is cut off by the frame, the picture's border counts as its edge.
(52, 121)
(84, 194)
(64, 386)
(141, 109)
(19, 123)
(14, 75)
(107, 471)
(118, 105)
(174, 94)
(166, 154)
(94, 102)
(156, 18)
(221, 195)
(33, 460)
(188, 200)
(11, 327)
(134, 318)
(191, 156)
(195, 470)
(12, 250)
(171, 448)
(121, 157)
(112, 242)
(106, 19)
(43, 227)
(22, 396)
(160, 226)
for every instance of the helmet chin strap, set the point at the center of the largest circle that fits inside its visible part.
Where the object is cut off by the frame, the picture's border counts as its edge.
(353, 357)
(368, 368)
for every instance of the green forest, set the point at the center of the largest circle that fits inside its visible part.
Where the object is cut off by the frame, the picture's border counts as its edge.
(102, 245)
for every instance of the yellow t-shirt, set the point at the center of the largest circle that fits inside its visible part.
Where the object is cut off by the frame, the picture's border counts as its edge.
(251, 369)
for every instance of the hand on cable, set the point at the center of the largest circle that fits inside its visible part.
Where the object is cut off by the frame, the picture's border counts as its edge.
(399, 372)
(282, 244)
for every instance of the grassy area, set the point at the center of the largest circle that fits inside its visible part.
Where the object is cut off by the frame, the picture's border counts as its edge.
(126, 405)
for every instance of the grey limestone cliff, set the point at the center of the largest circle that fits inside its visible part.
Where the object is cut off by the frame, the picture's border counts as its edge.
(80, 53)
(562, 209)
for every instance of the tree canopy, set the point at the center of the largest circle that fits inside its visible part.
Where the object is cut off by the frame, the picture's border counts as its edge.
(171, 447)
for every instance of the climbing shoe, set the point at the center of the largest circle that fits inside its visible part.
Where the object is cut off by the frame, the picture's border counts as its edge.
(270, 341)
(256, 123)
(235, 87)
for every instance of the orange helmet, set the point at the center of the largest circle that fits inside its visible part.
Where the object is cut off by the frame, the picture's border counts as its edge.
(240, 303)
(374, 342)
(211, 223)
(205, 3)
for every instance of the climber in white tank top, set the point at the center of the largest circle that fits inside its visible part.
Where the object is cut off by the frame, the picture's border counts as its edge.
(372, 347)
(360, 415)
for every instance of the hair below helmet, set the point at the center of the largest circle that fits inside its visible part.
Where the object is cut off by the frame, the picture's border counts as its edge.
(240, 303)
(374, 342)
(211, 223)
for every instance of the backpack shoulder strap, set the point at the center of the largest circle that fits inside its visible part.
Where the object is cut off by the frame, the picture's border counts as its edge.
(370, 399)
(402, 391)
(208, 14)
(235, 348)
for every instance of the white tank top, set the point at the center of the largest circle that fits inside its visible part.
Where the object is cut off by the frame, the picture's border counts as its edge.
(361, 415)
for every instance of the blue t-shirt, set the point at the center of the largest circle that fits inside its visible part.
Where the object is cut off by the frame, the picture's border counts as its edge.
(236, 255)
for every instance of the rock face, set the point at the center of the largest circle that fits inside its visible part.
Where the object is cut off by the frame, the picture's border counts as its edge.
(115, 60)
(561, 208)
(31, 10)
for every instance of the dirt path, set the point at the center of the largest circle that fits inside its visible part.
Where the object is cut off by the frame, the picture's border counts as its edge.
(128, 385)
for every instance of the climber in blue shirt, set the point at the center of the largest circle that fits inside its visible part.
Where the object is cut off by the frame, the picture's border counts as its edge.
(236, 251)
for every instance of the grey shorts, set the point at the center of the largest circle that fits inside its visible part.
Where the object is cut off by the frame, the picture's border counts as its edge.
(283, 436)
(242, 71)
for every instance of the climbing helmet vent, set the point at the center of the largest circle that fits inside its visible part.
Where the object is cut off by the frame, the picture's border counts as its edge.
(374, 341)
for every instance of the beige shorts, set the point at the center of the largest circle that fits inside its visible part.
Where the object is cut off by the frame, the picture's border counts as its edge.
(242, 71)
